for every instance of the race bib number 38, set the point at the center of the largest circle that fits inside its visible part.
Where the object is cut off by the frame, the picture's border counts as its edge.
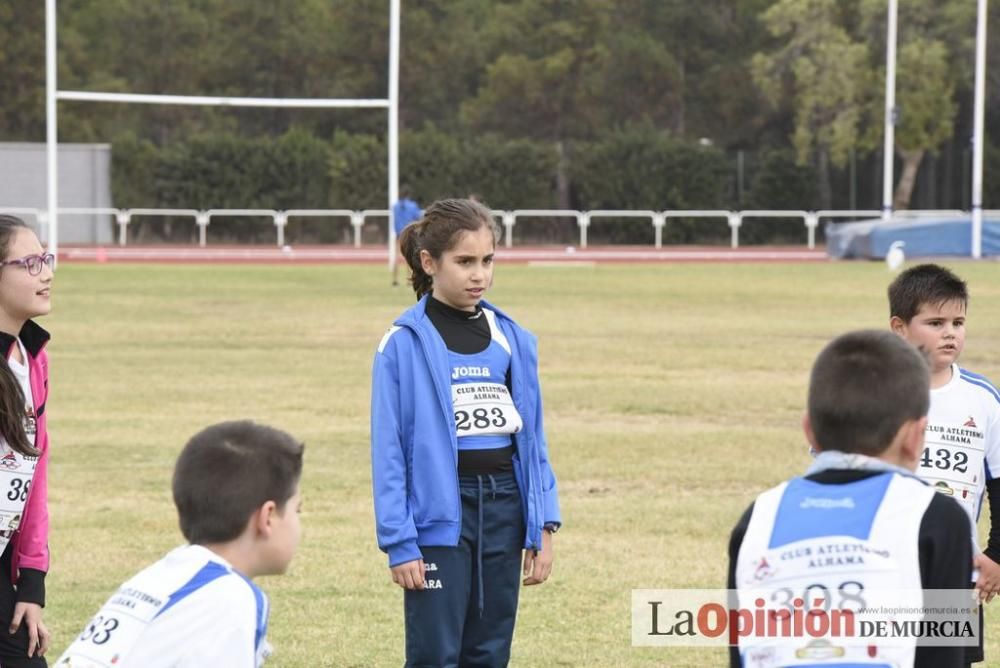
(484, 408)
(16, 473)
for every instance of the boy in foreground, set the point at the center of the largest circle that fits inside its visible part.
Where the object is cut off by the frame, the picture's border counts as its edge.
(867, 411)
(236, 488)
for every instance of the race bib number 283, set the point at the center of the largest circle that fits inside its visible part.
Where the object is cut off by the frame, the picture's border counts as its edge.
(484, 408)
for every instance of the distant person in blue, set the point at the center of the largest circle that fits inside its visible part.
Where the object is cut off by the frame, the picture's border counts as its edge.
(404, 212)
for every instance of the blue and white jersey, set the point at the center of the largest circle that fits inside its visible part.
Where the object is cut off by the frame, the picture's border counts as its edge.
(962, 441)
(839, 543)
(485, 415)
(188, 609)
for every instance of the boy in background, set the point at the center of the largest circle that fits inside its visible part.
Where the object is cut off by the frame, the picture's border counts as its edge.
(928, 307)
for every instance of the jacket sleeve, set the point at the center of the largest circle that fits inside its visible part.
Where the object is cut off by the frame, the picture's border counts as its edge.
(945, 563)
(993, 495)
(32, 541)
(735, 543)
(945, 548)
(992, 456)
(394, 526)
(549, 488)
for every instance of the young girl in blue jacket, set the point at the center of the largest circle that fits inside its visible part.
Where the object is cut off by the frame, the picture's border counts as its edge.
(460, 468)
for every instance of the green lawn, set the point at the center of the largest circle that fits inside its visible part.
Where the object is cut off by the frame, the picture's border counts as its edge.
(674, 395)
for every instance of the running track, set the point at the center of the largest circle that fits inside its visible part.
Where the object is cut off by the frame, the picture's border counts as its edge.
(539, 255)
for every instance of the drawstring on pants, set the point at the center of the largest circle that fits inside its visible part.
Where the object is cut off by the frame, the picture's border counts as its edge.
(479, 538)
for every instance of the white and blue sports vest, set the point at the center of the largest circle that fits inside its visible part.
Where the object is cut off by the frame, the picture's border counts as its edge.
(962, 441)
(810, 540)
(485, 415)
(189, 608)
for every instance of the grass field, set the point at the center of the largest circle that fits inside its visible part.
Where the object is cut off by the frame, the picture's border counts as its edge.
(673, 393)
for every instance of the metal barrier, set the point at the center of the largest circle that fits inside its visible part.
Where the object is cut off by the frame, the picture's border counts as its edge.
(728, 215)
(810, 219)
(659, 219)
(205, 217)
(357, 220)
(124, 217)
(604, 213)
(510, 220)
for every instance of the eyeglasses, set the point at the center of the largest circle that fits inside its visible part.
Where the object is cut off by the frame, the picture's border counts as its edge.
(33, 263)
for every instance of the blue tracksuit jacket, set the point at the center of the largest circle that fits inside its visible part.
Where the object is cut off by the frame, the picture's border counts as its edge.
(415, 446)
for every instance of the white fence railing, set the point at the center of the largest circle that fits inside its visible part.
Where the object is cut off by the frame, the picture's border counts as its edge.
(658, 219)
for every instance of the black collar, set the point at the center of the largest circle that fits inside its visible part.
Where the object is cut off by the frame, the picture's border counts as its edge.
(451, 312)
(32, 336)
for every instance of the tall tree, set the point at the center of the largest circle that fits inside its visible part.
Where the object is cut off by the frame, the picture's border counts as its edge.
(545, 76)
(22, 62)
(818, 67)
(684, 66)
(934, 55)
(443, 60)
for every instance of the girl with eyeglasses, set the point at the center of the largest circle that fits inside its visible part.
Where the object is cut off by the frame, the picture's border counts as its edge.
(25, 284)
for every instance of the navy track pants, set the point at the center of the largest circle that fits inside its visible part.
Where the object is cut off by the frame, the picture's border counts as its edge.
(465, 615)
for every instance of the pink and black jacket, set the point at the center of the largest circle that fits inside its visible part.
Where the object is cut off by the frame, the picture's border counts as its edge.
(27, 554)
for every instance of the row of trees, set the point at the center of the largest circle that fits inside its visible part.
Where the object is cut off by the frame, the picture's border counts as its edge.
(635, 168)
(552, 78)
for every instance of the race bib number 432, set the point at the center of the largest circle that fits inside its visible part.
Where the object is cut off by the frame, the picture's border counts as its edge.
(484, 408)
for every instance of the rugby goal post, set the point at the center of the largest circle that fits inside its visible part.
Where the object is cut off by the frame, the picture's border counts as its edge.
(53, 94)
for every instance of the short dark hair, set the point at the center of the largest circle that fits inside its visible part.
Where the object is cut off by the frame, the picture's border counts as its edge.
(229, 470)
(864, 386)
(924, 284)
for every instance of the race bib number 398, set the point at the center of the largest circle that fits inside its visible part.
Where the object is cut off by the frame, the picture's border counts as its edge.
(484, 408)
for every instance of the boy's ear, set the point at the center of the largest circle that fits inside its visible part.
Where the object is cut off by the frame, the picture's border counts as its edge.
(810, 434)
(898, 325)
(912, 442)
(262, 518)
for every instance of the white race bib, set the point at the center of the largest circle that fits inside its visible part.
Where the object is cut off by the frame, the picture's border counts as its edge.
(16, 473)
(952, 462)
(483, 409)
(115, 630)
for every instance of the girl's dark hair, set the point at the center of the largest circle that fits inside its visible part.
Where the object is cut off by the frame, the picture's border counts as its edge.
(12, 399)
(437, 231)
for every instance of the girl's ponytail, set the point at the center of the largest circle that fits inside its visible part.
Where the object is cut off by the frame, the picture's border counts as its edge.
(409, 244)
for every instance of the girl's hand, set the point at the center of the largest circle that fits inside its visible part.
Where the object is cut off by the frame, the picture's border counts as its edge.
(538, 565)
(38, 635)
(409, 575)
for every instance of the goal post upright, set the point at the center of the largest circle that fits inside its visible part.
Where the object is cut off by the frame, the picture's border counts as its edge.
(51, 130)
(393, 138)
